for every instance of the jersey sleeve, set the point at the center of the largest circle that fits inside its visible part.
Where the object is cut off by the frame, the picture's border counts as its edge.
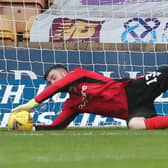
(76, 76)
(62, 121)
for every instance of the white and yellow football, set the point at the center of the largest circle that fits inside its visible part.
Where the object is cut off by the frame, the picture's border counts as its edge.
(21, 121)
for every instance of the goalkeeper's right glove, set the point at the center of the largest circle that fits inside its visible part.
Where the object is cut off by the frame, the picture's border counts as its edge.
(27, 107)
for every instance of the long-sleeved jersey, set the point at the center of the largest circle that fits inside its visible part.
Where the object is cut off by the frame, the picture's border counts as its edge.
(89, 92)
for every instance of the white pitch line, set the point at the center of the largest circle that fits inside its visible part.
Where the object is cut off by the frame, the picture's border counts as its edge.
(131, 133)
(70, 134)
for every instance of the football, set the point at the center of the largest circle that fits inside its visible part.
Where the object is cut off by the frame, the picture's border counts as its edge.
(21, 121)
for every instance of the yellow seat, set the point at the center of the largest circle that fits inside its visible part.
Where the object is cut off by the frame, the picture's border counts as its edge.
(40, 3)
(7, 28)
(21, 14)
(26, 34)
(22, 10)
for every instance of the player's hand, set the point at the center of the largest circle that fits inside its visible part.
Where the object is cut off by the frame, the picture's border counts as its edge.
(27, 107)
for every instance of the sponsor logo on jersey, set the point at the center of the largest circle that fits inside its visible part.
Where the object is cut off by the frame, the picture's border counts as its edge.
(84, 97)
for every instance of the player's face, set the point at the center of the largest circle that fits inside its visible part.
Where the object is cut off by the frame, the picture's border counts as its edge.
(55, 75)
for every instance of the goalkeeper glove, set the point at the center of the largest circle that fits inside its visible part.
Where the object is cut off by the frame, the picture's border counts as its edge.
(27, 107)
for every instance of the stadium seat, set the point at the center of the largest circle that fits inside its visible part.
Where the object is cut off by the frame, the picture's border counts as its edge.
(22, 10)
(40, 3)
(20, 14)
(26, 34)
(7, 28)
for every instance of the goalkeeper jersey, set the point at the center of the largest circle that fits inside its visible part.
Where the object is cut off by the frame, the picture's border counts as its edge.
(89, 92)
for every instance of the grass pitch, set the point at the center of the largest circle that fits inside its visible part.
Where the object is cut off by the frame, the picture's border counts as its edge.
(84, 148)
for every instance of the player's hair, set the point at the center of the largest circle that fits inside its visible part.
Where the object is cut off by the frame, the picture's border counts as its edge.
(57, 66)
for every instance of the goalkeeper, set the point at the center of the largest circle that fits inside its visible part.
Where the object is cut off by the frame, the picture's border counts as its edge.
(128, 99)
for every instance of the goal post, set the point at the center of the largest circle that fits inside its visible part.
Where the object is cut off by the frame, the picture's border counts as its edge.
(117, 38)
(21, 73)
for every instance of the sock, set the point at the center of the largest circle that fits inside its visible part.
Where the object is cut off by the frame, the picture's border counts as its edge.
(156, 122)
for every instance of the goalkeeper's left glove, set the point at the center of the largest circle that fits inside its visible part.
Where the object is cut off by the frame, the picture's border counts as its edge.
(27, 107)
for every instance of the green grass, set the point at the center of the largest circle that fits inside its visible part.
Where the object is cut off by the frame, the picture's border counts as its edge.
(84, 148)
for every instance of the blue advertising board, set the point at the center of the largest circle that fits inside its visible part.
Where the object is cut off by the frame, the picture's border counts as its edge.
(21, 78)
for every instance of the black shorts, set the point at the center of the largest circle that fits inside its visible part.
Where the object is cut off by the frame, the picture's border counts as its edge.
(142, 92)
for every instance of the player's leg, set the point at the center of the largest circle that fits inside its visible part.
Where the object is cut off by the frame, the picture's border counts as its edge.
(139, 114)
(145, 117)
(137, 123)
(160, 86)
(147, 88)
(141, 94)
(157, 122)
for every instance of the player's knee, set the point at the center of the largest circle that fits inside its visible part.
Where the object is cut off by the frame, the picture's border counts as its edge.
(136, 123)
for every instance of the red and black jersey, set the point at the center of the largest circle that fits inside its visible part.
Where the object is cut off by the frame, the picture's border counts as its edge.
(89, 92)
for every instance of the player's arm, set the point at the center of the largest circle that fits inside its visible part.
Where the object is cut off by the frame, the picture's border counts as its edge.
(60, 85)
(77, 76)
(62, 121)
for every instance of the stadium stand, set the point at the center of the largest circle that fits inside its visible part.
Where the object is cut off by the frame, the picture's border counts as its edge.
(118, 38)
(22, 11)
(7, 28)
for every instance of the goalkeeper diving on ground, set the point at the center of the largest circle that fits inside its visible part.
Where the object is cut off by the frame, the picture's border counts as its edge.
(128, 99)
